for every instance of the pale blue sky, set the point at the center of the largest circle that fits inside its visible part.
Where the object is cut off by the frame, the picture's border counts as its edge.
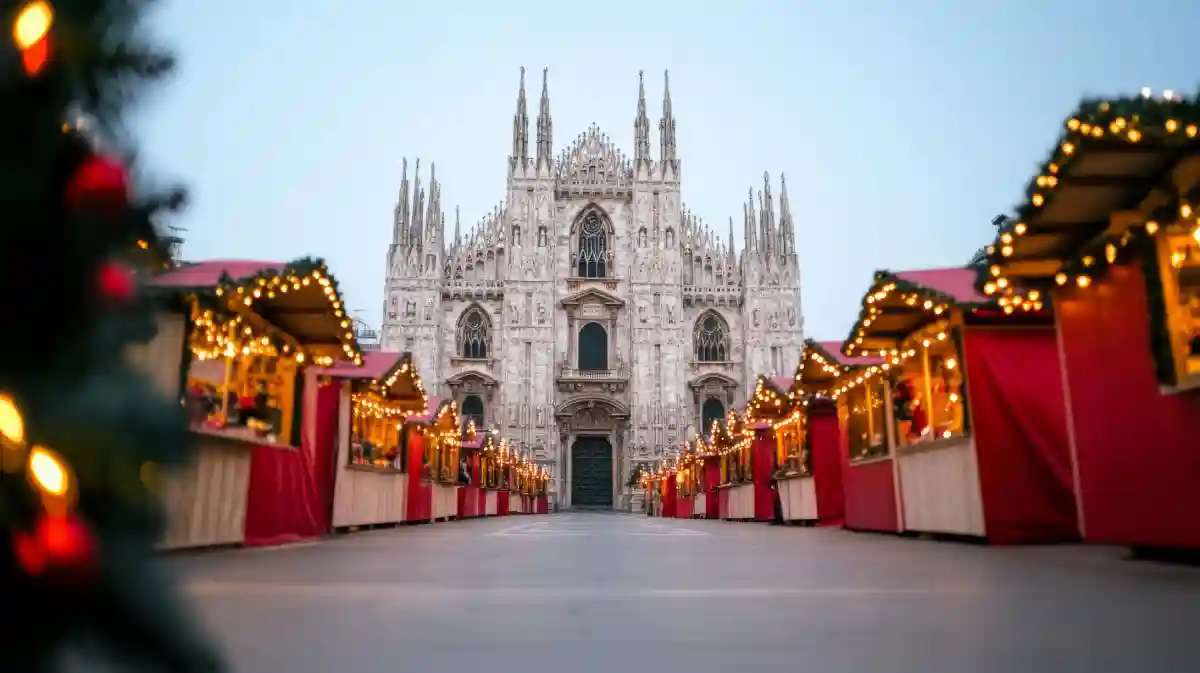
(903, 127)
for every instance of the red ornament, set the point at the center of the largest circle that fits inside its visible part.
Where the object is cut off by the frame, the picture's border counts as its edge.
(115, 282)
(99, 184)
(58, 543)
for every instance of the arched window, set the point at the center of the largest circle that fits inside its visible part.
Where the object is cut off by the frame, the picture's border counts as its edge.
(713, 410)
(593, 247)
(711, 338)
(472, 410)
(474, 334)
(593, 347)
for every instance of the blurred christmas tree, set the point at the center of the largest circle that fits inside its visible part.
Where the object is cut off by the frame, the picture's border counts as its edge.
(82, 435)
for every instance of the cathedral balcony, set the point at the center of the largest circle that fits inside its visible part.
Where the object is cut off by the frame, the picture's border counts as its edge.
(597, 381)
(711, 296)
(578, 284)
(473, 289)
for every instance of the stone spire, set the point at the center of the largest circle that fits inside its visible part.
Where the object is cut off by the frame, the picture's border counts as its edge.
(751, 229)
(418, 207)
(641, 126)
(430, 216)
(400, 224)
(787, 229)
(457, 229)
(545, 127)
(732, 256)
(521, 125)
(666, 125)
(767, 217)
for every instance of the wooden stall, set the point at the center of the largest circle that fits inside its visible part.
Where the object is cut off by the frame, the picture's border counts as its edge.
(470, 491)
(841, 453)
(233, 344)
(1109, 235)
(688, 479)
(433, 439)
(541, 494)
(735, 443)
(491, 472)
(974, 413)
(371, 477)
(780, 444)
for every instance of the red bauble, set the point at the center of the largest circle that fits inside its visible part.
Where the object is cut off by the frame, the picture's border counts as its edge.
(115, 282)
(57, 544)
(99, 185)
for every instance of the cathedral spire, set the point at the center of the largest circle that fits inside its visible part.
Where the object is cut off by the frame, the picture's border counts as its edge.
(787, 229)
(521, 125)
(751, 229)
(768, 217)
(457, 229)
(400, 224)
(666, 125)
(641, 125)
(418, 204)
(545, 127)
(732, 256)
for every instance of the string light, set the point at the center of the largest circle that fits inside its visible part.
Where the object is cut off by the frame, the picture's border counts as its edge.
(31, 33)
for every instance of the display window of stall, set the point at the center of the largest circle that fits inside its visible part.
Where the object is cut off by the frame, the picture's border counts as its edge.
(790, 454)
(244, 387)
(1179, 270)
(377, 437)
(927, 393)
(866, 425)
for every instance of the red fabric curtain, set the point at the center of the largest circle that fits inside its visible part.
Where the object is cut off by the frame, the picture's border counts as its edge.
(1018, 414)
(291, 491)
(712, 478)
(502, 502)
(419, 503)
(669, 498)
(827, 467)
(1136, 448)
(764, 465)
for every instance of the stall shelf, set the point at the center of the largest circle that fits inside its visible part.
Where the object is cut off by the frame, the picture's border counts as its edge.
(974, 411)
(1109, 235)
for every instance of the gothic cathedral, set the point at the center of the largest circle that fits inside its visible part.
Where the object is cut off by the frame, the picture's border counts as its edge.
(591, 317)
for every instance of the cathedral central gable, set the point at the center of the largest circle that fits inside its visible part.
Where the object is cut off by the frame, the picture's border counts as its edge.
(592, 295)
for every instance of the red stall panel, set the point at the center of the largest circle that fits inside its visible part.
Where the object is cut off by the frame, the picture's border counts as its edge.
(827, 467)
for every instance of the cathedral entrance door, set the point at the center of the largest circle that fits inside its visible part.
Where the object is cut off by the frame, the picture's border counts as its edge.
(591, 473)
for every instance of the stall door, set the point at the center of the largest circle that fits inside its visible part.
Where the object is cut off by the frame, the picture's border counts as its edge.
(591, 473)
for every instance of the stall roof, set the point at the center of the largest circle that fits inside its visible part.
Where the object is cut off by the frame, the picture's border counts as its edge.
(299, 298)
(769, 401)
(393, 371)
(900, 302)
(433, 407)
(1114, 156)
(820, 365)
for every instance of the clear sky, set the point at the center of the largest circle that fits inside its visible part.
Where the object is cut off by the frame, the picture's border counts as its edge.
(903, 127)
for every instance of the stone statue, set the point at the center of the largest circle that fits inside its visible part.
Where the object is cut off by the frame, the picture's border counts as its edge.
(516, 236)
(410, 309)
(541, 237)
(428, 309)
(541, 313)
(754, 314)
(642, 312)
(671, 314)
(670, 239)
(642, 237)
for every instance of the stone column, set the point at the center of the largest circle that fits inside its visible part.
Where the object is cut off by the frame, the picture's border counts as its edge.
(612, 339)
(567, 441)
(571, 338)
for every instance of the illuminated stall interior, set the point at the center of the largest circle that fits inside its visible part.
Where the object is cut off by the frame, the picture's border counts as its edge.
(731, 441)
(913, 321)
(254, 326)
(387, 391)
(823, 370)
(773, 405)
(688, 470)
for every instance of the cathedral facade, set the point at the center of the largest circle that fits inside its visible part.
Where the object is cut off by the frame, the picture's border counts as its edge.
(590, 316)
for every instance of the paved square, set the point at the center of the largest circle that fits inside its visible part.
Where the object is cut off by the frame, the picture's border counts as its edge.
(586, 593)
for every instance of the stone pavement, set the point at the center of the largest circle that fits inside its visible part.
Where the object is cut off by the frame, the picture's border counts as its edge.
(588, 593)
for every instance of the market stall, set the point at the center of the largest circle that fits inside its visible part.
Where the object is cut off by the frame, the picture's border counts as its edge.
(372, 469)
(780, 416)
(234, 343)
(541, 504)
(1109, 234)
(491, 470)
(688, 476)
(851, 486)
(974, 407)
(470, 491)
(735, 442)
(434, 445)
(515, 484)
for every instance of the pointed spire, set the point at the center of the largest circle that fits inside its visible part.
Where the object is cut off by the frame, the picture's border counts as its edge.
(457, 228)
(666, 125)
(768, 217)
(751, 229)
(521, 124)
(787, 230)
(545, 127)
(418, 232)
(418, 203)
(400, 224)
(732, 257)
(641, 125)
